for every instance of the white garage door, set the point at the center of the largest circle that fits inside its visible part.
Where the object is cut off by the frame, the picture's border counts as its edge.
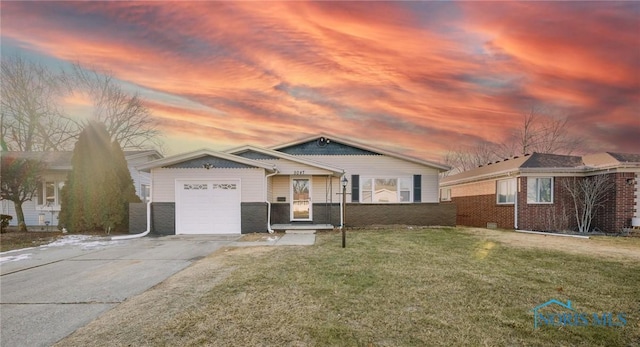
(208, 207)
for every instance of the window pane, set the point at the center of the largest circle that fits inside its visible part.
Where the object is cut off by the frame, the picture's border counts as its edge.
(506, 191)
(386, 190)
(405, 184)
(405, 196)
(531, 190)
(544, 186)
(539, 190)
(50, 193)
(366, 184)
(366, 196)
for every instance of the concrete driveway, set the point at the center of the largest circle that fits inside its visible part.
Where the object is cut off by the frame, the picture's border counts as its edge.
(48, 292)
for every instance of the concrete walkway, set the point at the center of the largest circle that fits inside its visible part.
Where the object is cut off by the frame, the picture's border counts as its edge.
(277, 240)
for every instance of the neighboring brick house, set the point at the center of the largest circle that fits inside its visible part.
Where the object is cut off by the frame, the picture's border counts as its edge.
(529, 192)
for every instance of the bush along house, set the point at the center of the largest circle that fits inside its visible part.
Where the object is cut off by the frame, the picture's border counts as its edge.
(297, 185)
(542, 192)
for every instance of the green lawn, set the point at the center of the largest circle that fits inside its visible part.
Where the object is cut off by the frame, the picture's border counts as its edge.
(404, 288)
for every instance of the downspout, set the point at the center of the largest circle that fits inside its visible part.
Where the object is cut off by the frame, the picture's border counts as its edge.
(515, 205)
(266, 185)
(143, 234)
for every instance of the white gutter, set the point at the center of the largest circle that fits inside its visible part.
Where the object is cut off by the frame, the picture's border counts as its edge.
(266, 185)
(143, 234)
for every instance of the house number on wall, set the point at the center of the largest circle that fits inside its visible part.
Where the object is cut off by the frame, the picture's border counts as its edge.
(298, 172)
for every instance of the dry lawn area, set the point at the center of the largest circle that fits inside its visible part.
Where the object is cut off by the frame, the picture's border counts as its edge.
(389, 287)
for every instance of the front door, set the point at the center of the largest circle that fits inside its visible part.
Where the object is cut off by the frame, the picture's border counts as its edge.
(301, 199)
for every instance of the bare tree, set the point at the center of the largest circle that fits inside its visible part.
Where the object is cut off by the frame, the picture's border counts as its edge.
(588, 195)
(128, 119)
(19, 182)
(31, 118)
(541, 132)
(467, 158)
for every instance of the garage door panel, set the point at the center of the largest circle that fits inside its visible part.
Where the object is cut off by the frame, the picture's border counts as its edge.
(208, 207)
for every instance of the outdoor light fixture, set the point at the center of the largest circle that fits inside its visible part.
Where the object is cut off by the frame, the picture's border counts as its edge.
(630, 181)
(344, 181)
(207, 166)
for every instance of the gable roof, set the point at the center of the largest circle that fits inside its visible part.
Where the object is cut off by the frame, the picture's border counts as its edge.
(486, 171)
(61, 160)
(544, 162)
(258, 153)
(609, 159)
(364, 150)
(175, 160)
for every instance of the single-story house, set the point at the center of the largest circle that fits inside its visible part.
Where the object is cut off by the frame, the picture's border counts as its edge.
(298, 184)
(44, 208)
(529, 192)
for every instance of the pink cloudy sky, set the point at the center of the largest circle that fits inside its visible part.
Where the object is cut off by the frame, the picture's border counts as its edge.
(415, 77)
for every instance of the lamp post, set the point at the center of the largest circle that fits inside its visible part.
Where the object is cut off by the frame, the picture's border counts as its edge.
(344, 182)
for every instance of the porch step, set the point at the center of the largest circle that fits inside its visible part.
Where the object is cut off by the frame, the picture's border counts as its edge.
(307, 228)
(300, 231)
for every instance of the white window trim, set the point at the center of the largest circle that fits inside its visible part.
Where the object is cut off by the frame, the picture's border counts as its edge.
(292, 201)
(56, 202)
(513, 192)
(537, 197)
(409, 179)
(445, 194)
(144, 189)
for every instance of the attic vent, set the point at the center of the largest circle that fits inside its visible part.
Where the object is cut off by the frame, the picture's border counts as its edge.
(323, 141)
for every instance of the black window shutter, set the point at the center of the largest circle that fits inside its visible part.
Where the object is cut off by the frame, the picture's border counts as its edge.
(355, 188)
(417, 188)
(40, 193)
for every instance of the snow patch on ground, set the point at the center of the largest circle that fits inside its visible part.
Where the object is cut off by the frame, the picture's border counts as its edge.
(84, 241)
(15, 257)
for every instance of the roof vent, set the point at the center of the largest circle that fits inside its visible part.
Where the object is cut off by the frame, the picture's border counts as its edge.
(323, 141)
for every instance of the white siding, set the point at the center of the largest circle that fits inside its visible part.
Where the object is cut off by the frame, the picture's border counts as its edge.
(281, 187)
(380, 165)
(320, 191)
(139, 178)
(31, 216)
(287, 167)
(163, 181)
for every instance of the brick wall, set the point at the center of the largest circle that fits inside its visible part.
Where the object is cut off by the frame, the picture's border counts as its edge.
(163, 218)
(373, 214)
(620, 204)
(359, 215)
(477, 206)
(253, 217)
(478, 210)
(137, 217)
(558, 216)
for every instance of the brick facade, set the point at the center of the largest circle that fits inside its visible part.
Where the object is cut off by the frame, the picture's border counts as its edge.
(620, 205)
(477, 208)
(137, 217)
(360, 215)
(556, 216)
